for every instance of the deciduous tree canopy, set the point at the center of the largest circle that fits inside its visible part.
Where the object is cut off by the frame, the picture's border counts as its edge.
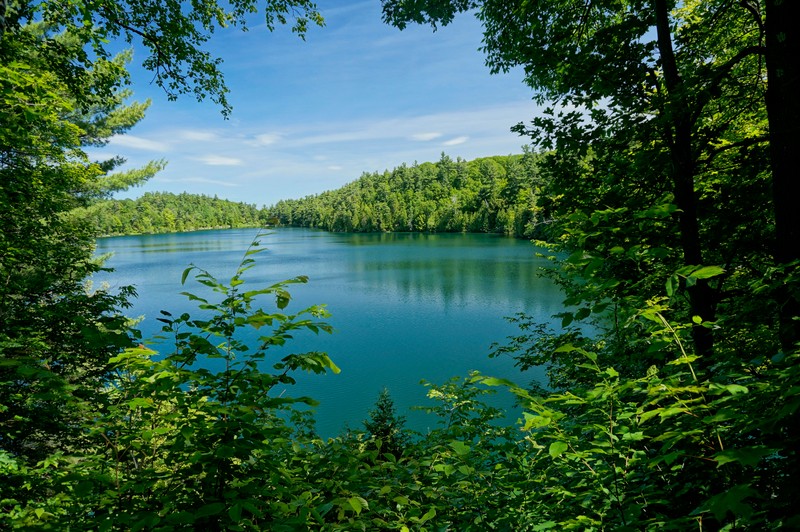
(491, 194)
(162, 212)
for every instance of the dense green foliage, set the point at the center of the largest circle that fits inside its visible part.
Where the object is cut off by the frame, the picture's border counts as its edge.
(664, 185)
(491, 194)
(56, 336)
(203, 436)
(665, 180)
(163, 212)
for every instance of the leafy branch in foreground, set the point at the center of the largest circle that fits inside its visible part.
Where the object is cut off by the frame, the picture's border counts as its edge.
(197, 437)
(674, 447)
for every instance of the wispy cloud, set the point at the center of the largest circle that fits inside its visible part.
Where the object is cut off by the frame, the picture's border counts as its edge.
(203, 180)
(335, 167)
(198, 135)
(459, 126)
(456, 141)
(266, 139)
(426, 136)
(219, 160)
(138, 143)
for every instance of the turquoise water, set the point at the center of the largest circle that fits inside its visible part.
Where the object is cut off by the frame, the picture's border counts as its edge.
(405, 307)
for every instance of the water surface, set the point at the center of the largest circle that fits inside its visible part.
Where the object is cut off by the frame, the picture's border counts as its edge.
(405, 307)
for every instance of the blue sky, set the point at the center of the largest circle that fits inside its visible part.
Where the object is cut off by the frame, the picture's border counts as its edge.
(308, 116)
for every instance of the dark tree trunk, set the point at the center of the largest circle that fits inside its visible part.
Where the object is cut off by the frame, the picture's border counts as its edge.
(701, 298)
(783, 111)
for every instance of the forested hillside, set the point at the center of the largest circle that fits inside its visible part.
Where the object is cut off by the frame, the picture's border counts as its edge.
(163, 212)
(489, 195)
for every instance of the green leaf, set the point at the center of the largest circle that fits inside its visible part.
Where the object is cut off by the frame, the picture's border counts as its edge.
(358, 504)
(731, 501)
(430, 514)
(582, 313)
(534, 422)
(633, 436)
(186, 274)
(671, 411)
(706, 272)
(557, 448)
(235, 512)
(495, 381)
(210, 509)
(460, 448)
(733, 389)
(747, 456)
(566, 348)
(282, 300)
(644, 416)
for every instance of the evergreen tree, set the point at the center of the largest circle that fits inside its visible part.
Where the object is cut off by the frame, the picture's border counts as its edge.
(385, 428)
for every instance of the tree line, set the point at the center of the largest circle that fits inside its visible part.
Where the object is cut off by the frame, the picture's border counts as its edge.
(668, 149)
(164, 212)
(488, 195)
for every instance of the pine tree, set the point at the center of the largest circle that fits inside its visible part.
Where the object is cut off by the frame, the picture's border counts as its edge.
(386, 427)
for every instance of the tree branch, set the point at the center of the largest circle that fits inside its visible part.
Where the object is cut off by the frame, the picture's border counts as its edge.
(155, 44)
(740, 144)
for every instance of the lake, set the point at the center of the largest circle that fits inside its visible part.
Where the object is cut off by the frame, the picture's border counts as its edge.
(404, 306)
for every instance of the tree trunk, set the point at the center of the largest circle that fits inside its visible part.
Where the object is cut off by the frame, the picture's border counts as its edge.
(783, 111)
(701, 298)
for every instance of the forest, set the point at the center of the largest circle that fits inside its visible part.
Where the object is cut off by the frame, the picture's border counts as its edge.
(487, 195)
(163, 212)
(665, 170)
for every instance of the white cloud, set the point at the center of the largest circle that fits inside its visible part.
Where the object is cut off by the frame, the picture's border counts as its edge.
(460, 126)
(335, 167)
(456, 141)
(339, 136)
(195, 134)
(265, 139)
(202, 180)
(138, 143)
(219, 160)
(426, 136)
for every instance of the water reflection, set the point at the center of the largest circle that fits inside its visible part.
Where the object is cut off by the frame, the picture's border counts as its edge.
(405, 306)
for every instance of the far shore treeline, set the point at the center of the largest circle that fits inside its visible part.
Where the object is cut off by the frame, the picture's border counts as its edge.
(486, 195)
(164, 212)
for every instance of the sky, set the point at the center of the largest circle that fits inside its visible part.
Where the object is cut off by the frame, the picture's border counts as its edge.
(309, 116)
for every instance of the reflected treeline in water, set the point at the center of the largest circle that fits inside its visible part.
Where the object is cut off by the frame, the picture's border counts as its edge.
(196, 241)
(449, 269)
(457, 282)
